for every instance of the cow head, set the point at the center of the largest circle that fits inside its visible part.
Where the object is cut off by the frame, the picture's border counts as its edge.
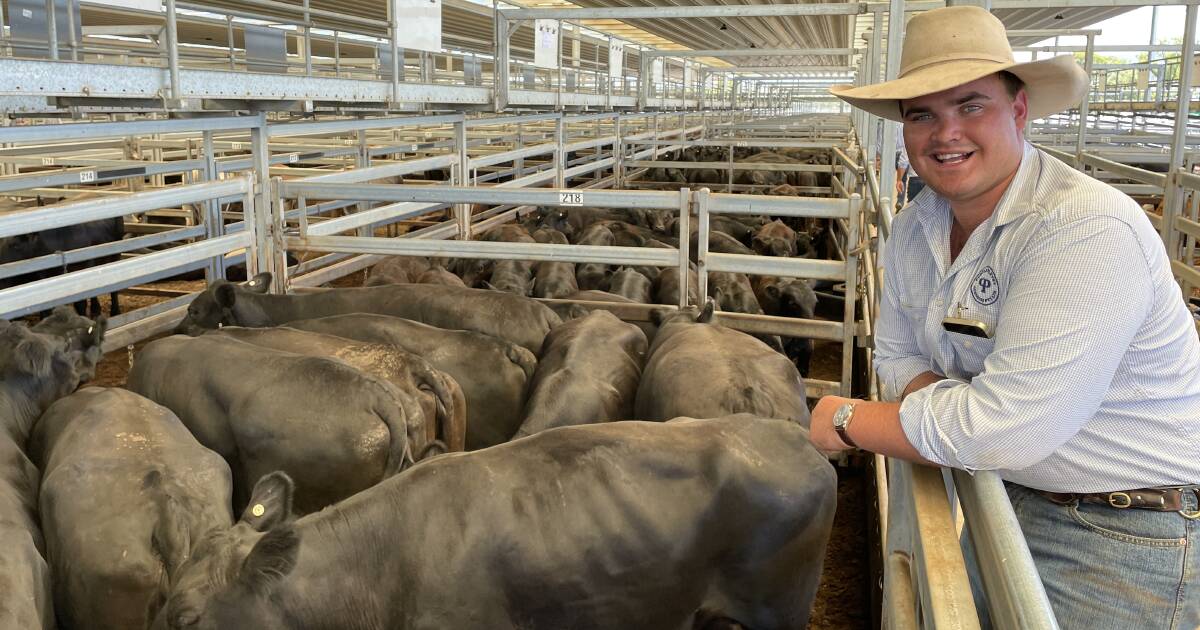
(228, 577)
(217, 306)
(35, 370)
(775, 239)
(83, 338)
(792, 298)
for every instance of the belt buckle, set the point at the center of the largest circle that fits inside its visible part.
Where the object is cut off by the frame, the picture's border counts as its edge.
(1119, 500)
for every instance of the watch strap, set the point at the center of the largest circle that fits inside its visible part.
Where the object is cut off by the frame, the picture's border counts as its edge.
(841, 427)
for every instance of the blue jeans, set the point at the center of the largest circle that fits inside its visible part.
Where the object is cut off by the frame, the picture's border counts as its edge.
(1109, 569)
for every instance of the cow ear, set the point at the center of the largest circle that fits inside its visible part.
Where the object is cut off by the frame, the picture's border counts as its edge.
(172, 538)
(260, 283)
(270, 560)
(97, 330)
(706, 315)
(270, 503)
(226, 294)
(34, 357)
(772, 291)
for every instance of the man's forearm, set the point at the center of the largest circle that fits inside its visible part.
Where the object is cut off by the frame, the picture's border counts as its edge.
(876, 428)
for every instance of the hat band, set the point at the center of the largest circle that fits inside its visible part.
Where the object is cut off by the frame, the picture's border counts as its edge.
(942, 59)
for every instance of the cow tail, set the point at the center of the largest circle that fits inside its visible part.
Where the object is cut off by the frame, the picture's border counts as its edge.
(395, 416)
(451, 406)
(523, 358)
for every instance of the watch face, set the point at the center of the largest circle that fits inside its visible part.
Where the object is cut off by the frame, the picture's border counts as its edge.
(840, 416)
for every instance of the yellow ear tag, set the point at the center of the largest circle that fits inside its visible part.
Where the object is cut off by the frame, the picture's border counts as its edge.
(258, 509)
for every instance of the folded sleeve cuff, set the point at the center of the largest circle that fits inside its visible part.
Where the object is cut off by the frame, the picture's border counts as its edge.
(920, 425)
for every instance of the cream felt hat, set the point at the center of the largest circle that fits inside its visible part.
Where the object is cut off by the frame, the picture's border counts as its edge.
(945, 48)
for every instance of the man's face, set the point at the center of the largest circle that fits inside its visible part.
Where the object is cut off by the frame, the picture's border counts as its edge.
(966, 142)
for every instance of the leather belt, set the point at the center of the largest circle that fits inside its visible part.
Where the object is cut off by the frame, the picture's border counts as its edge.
(1159, 499)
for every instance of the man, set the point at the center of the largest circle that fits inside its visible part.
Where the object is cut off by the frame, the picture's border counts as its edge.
(1030, 325)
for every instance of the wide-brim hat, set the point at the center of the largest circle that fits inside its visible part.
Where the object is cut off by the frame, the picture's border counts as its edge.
(948, 47)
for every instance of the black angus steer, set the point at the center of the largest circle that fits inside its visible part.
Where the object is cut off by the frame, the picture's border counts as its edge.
(443, 408)
(630, 525)
(35, 370)
(516, 318)
(329, 425)
(492, 372)
(64, 239)
(125, 491)
(588, 373)
(702, 369)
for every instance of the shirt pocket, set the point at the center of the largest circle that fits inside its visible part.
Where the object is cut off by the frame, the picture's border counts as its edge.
(971, 351)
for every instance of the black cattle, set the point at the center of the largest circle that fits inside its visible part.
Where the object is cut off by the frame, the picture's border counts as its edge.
(519, 319)
(775, 239)
(35, 370)
(594, 276)
(492, 372)
(443, 407)
(397, 270)
(666, 288)
(789, 297)
(704, 370)
(553, 279)
(632, 525)
(632, 284)
(125, 490)
(588, 373)
(436, 274)
(64, 239)
(332, 427)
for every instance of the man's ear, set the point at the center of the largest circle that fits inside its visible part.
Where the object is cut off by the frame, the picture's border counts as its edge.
(1020, 109)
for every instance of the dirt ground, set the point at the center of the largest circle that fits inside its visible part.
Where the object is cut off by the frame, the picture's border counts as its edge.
(843, 599)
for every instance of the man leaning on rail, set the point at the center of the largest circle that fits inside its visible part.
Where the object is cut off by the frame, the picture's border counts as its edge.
(1030, 325)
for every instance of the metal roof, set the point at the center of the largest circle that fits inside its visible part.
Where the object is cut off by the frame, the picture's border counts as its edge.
(467, 26)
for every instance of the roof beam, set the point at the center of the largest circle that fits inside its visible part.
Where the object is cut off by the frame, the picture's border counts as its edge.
(702, 11)
(751, 52)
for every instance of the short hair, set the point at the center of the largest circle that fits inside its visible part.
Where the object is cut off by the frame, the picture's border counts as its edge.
(1012, 83)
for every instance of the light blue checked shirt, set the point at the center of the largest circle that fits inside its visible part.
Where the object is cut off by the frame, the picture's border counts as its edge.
(1091, 381)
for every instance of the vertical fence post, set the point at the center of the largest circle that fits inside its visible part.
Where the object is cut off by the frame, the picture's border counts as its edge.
(1081, 137)
(214, 226)
(702, 228)
(462, 211)
(1174, 197)
(52, 27)
(560, 155)
(172, 56)
(685, 234)
(618, 154)
(849, 319)
(261, 155)
(279, 267)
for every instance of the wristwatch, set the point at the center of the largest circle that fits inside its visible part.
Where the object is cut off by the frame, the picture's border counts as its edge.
(841, 422)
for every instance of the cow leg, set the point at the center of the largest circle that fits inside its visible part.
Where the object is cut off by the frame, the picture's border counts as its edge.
(81, 308)
(114, 305)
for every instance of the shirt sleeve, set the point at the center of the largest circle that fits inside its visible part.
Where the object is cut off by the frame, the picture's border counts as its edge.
(1077, 298)
(898, 356)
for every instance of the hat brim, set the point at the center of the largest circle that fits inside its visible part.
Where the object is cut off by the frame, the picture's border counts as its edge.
(1051, 85)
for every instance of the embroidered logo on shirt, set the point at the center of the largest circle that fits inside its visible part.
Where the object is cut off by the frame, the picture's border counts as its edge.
(985, 288)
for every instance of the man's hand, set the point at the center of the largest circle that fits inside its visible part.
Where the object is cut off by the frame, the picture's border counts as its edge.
(821, 431)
